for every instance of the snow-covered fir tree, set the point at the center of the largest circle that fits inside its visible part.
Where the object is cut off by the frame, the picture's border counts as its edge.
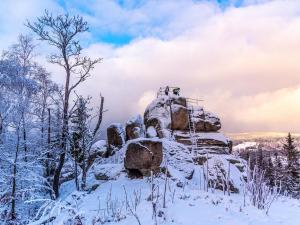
(292, 167)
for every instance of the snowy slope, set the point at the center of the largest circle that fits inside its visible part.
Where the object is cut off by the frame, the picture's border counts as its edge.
(188, 202)
(188, 205)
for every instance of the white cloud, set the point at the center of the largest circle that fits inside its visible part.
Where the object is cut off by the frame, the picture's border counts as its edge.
(14, 13)
(243, 62)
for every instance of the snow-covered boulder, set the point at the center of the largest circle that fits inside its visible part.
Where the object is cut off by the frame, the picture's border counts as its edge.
(115, 136)
(135, 128)
(158, 115)
(205, 121)
(143, 156)
(107, 171)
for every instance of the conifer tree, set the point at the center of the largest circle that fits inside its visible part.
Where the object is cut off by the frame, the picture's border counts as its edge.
(80, 137)
(292, 168)
(269, 171)
(278, 170)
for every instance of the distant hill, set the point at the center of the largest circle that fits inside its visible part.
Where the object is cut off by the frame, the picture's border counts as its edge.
(256, 135)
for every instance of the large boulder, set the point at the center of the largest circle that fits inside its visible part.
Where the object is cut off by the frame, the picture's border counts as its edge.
(158, 115)
(143, 156)
(115, 136)
(180, 117)
(135, 128)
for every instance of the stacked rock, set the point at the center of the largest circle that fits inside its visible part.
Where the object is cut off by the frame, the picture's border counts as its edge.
(166, 118)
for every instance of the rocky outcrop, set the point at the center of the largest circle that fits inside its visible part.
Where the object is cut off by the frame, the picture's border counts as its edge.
(175, 137)
(135, 128)
(167, 117)
(115, 136)
(143, 156)
(158, 115)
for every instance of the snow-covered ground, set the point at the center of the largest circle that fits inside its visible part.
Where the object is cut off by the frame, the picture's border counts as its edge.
(245, 145)
(114, 198)
(186, 204)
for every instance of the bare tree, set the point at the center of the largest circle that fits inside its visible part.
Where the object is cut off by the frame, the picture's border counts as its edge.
(22, 53)
(62, 32)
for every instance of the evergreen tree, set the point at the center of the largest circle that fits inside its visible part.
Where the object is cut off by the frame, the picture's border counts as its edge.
(269, 172)
(292, 168)
(278, 170)
(81, 137)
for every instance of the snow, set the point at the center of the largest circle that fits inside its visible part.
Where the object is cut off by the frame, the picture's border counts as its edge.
(245, 145)
(190, 206)
(205, 136)
(187, 201)
(151, 132)
(99, 146)
(136, 119)
(213, 136)
(160, 110)
(107, 171)
(113, 198)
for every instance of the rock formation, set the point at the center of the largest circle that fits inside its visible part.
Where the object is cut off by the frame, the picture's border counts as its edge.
(178, 133)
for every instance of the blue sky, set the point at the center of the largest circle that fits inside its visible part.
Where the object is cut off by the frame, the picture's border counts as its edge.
(123, 37)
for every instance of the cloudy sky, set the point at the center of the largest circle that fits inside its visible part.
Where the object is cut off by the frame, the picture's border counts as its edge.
(241, 57)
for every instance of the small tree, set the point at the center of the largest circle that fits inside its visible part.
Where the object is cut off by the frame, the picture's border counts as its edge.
(63, 32)
(80, 136)
(292, 168)
(269, 174)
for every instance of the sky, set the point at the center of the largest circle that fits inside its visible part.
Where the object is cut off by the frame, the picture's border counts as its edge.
(241, 56)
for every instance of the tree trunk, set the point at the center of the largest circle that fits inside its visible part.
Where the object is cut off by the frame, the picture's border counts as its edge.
(76, 168)
(24, 137)
(63, 137)
(13, 192)
(48, 145)
(83, 184)
(99, 117)
(1, 128)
